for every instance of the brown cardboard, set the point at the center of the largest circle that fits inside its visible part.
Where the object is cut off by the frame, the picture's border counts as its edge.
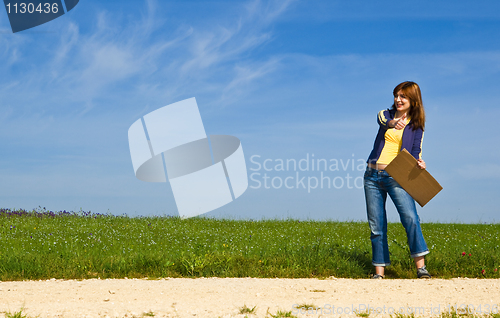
(417, 182)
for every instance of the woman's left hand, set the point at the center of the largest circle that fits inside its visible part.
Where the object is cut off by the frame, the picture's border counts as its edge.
(421, 163)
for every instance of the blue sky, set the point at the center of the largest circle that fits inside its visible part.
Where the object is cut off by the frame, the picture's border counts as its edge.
(291, 79)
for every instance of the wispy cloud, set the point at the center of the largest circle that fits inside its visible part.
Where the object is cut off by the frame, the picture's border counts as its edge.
(267, 12)
(132, 56)
(68, 97)
(244, 75)
(75, 95)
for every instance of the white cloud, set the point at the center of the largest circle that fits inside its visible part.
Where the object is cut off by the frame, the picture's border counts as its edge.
(244, 76)
(268, 11)
(54, 91)
(84, 67)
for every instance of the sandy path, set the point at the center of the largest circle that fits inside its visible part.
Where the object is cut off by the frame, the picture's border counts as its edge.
(223, 297)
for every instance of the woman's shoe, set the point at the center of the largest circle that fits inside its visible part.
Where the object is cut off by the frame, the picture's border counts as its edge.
(423, 273)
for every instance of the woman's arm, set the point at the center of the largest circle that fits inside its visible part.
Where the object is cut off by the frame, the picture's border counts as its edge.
(385, 120)
(416, 150)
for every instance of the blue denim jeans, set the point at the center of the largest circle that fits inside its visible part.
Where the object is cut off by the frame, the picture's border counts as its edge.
(378, 183)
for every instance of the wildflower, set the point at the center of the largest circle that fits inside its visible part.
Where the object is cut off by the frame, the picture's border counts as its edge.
(463, 253)
(483, 271)
(496, 269)
(470, 254)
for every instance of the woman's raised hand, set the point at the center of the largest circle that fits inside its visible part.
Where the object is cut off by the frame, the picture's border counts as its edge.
(401, 122)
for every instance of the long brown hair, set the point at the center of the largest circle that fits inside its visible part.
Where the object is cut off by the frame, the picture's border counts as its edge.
(416, 111)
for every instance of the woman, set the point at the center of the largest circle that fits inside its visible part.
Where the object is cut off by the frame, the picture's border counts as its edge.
(401, 127)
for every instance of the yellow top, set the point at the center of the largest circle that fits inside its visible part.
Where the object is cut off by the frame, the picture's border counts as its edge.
(393, 142)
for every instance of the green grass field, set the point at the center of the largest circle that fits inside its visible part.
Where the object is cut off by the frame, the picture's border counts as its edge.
(40, 244)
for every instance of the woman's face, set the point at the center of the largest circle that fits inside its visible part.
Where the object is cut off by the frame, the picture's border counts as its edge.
(402, 102)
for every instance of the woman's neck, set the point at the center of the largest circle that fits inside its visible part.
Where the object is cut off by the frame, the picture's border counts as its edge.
(400, 114)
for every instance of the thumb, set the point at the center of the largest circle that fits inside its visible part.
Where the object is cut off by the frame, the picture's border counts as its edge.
(404, 116)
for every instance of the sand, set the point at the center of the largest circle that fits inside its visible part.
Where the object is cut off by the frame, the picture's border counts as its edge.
(225, 297)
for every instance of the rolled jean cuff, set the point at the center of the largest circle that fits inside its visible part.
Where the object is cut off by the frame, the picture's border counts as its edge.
(381, 264)
(420, 254)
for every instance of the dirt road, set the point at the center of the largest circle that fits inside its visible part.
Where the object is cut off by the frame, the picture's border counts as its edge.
(225, 297)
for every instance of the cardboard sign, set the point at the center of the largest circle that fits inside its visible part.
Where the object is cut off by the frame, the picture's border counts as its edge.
(417, 182)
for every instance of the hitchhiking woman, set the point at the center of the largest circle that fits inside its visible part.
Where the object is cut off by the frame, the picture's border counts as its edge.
(401, 127)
